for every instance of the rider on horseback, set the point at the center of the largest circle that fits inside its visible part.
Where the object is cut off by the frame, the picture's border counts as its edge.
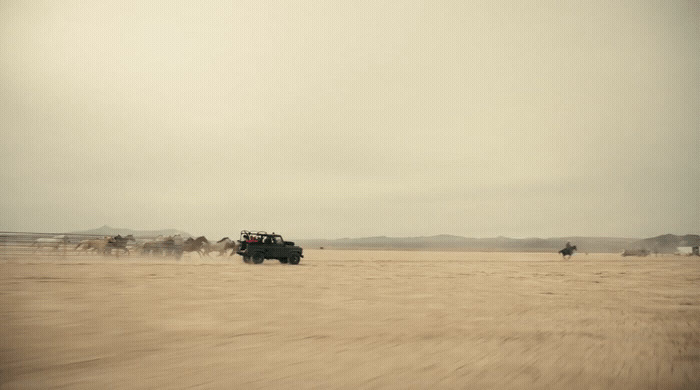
(569, 250)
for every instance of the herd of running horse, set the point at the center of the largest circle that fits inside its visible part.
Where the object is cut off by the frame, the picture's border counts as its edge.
(160, 246)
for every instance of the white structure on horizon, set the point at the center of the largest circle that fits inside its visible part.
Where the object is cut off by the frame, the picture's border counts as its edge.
(686, 250)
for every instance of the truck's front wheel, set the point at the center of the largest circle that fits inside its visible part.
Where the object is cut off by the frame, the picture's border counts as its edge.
(294, 259)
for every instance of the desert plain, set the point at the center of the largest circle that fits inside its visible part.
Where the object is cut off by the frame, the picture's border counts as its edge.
(351, 320)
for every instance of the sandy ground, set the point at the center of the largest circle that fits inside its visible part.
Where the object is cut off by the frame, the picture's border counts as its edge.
(351, 319)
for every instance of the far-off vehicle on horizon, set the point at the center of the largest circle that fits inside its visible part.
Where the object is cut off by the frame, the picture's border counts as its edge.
(255, 247)
(635, 252)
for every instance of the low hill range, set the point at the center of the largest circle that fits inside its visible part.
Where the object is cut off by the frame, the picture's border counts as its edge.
(662, 244)
(112, 231)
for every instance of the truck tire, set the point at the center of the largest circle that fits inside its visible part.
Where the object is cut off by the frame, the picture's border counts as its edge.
(294, 259)
(258, 257)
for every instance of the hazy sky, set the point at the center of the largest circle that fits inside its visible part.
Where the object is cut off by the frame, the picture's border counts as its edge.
(325, 119)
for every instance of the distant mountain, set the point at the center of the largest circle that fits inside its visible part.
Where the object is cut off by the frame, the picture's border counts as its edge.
(112, 231)
(664, 244)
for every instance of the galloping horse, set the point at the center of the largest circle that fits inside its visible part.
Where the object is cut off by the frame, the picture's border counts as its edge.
(98, 244)
(118, 243)
(568, 251)
(173, 246)
(220, 246)
(164, 246)
(53, 242)
(195, 244)
(156, 246)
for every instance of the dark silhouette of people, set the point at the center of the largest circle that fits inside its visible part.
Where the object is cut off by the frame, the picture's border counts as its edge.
(244, 242)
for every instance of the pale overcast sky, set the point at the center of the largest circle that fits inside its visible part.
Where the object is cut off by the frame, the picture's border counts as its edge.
(325, 119)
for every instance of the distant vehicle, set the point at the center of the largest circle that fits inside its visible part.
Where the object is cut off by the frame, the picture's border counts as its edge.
(256, 246)
(637, 252)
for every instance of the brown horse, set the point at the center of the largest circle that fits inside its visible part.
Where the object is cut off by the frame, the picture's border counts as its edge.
(118, 243)
(164, 246)
(195, 245)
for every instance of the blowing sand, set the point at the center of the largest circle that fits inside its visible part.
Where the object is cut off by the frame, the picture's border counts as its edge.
(351, 319)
